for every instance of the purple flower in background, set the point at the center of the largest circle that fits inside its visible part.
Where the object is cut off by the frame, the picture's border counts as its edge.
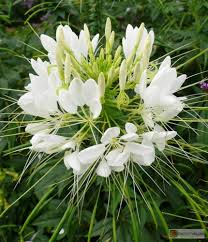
(28, 3)
(204, 85)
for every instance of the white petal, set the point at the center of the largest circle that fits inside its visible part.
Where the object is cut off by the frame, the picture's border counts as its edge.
(95, 108)
(95, 42)
(39, 84)
(141, 154)
(40, 67)
(178, 83)
(103, 169)
(112, 155)
(83, 45)
(151, 97)
(130, 128)
(27, 103)
(65, 101)
(158, 128)
(109, 134)
(48, 43)
(129, 137)
(34, 128)
(170, 134)
(141, 87)
(171, 107)
(47, 143)
(71, 161)
(166, 63)
(160, 143)
(90, 91)
(68, 145)
(159, 136)
(164, 80)
(119, 161)
(91, 154)
(76, 90)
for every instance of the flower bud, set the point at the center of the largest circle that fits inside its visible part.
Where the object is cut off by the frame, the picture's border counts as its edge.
(111, 40)
(60, 34)
(110, 76)
(67, 69)
(138, 69)
(118, 53)
(137, 43)
(122, 75)
(101, 84)
(59, 61)
(108, 29)
(87, 33)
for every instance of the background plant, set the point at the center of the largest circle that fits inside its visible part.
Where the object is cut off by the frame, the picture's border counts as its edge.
(176, 24)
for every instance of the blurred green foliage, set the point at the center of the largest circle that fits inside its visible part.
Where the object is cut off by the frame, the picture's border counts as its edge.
(181, 23)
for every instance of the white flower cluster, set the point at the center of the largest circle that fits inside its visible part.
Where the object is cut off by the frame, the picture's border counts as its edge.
(87, 89)
(114, 152)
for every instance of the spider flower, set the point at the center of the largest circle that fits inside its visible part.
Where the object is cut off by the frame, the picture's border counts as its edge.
(78, 44)
(42, 89)
(101, 110)
(160, 103)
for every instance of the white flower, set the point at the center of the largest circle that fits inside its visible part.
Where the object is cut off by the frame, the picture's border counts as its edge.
(116, 158)
(113, 161)
(81, 161)
(158, 136)
(41, 100)
(103, 169)
(141, 154)
(71, 160)
(50, 143)
(50, 45)
(137, 37)
(77, 44)
(35, 128)
(131, 135)
(159, 102)
(91, 154)
(110, 134)
(80, 94)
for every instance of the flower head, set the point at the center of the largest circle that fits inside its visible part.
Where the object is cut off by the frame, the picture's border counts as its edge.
(86, 103)
(160, 103)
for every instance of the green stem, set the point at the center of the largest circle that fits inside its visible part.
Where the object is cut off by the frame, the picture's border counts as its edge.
(67, 215)
(93, 217)
(36, 210)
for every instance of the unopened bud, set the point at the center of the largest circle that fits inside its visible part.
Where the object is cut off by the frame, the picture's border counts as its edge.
(118, 53)
(102, 55)
(60, 34)
(101, 84)
(67, 69)
(122, 75)
(108, 29)
(137, 72)
(59, 61)
(111, 39)
(87, 33)
(110, 76)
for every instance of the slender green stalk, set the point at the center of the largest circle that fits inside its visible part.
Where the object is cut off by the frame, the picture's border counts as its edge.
(37, 208)
(92, 221)
(67, 215)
